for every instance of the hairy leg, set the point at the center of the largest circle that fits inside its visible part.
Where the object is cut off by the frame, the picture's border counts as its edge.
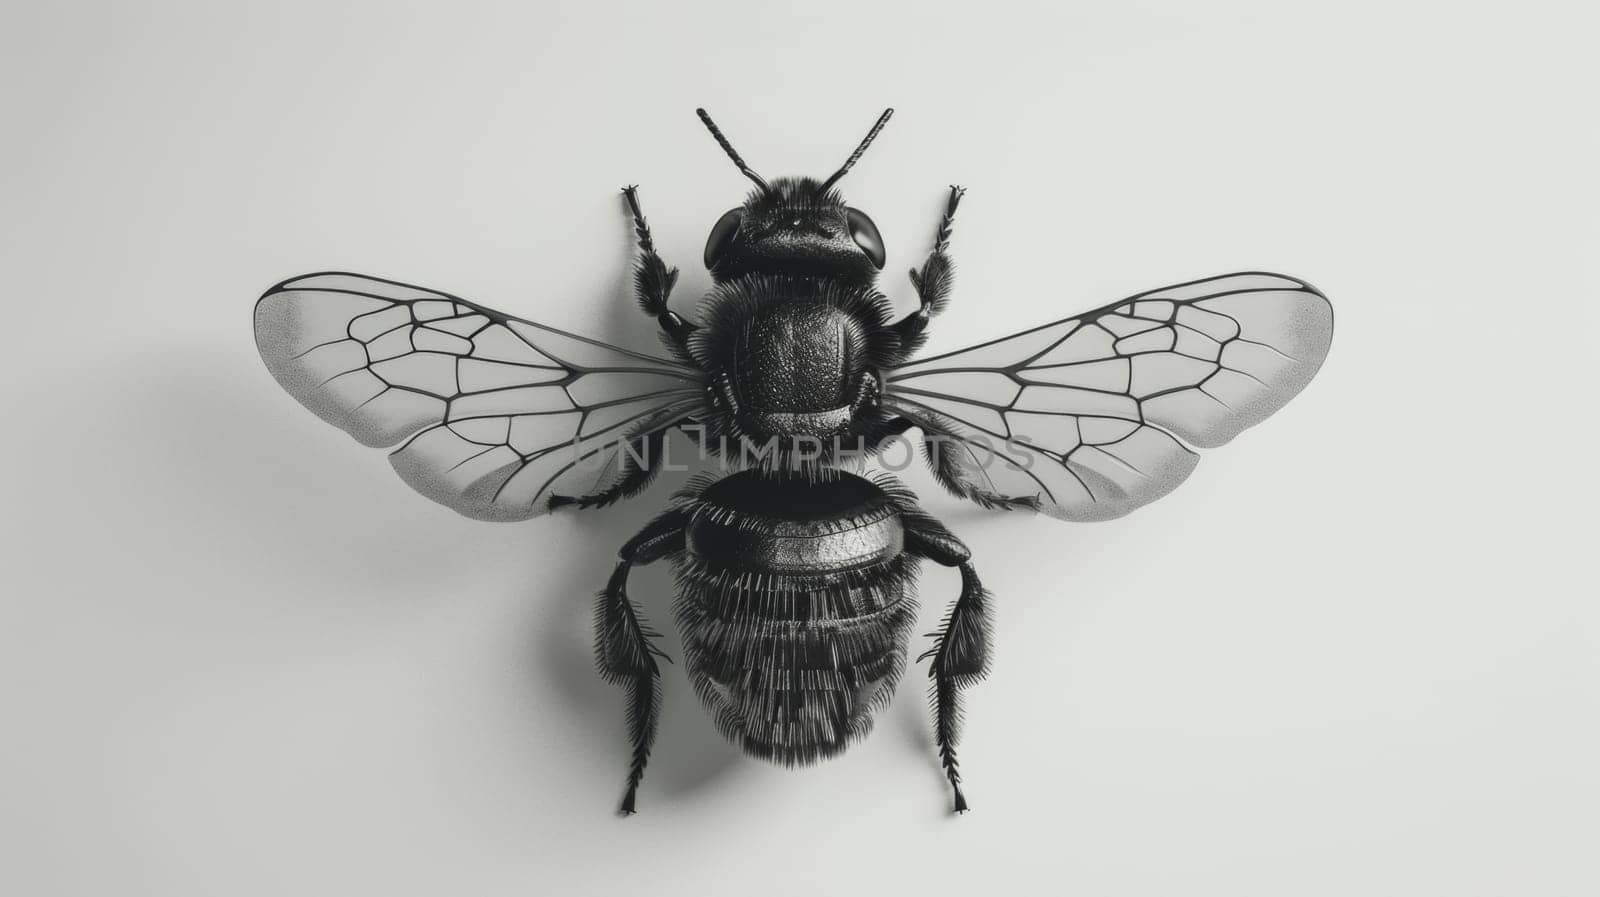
(960, 652)
(962, 473)
(933, 282)
(653, 280)
(640, 459)
(624, 652)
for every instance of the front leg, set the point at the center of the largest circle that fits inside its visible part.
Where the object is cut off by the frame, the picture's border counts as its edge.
(932, 283)
(653, 280)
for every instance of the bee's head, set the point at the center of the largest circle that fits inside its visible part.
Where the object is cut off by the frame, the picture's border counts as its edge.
(795, 226)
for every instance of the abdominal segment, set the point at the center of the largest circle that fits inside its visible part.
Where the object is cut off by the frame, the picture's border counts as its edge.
(793, 667)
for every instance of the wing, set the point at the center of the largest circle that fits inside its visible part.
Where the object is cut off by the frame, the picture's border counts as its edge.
(493, 415)
(1087, 418)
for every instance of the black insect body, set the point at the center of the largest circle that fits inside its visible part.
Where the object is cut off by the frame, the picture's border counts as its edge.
(796, 600)
(796, 578)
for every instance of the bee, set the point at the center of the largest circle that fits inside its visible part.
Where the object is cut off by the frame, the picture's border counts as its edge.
(796, 573)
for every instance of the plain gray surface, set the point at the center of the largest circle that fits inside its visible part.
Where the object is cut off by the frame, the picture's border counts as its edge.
(1355, 654)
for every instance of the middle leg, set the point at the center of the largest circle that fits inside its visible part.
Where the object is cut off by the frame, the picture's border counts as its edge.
(638, 461)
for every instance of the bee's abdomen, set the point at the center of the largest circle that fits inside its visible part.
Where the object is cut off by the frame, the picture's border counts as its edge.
(791, 670)
(795, 621)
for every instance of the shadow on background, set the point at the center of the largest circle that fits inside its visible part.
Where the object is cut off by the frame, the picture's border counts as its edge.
(203, 435)
(688, 751)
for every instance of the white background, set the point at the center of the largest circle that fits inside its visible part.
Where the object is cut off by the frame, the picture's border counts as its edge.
(1355, 654)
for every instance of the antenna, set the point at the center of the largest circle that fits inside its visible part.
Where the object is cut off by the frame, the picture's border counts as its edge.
(732, 153)
(865, 142)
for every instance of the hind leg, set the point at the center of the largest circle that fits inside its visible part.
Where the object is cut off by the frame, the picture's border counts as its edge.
(960, 651)
(624, 652)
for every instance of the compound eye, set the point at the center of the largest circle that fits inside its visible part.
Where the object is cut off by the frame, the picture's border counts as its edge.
(722, 234)
(865, 233)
